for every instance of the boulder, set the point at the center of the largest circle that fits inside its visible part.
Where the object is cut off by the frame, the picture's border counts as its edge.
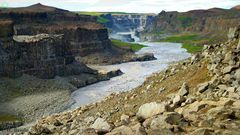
(203, 87)
(101, 125)
(136, 129)
(184, 90)
(237, 74)
(166, 120)
(150, 109)
(178, 99)
(227, 69)
(125, 119)
(123, 130)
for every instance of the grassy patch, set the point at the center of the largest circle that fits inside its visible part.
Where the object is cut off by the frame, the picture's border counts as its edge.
(90, 13)
(181, 38)
(8, 118)
(133, 46)
(189, 42)
(101, 19)
(192, 48)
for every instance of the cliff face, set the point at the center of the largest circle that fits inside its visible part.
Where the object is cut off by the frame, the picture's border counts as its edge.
(128, 22)
(213, 22)
(125, 26)
(45, 41)
(43, 55)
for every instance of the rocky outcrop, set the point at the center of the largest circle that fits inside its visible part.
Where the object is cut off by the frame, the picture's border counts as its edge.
(203, 102)
(202, 22)
(43, 55)
(46, 41)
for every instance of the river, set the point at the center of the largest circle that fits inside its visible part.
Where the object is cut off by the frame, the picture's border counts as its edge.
(134, 73)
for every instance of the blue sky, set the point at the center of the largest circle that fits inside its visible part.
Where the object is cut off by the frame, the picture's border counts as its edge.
(138, 6)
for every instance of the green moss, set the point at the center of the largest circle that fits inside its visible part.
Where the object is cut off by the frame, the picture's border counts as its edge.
(189, 42)
(133, 46)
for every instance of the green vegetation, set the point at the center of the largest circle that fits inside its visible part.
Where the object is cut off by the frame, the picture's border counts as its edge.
(181, 38)
(189, 42)
(8, 118)
(101, 19)
(192, 48)
(133, 46)
(90, 13)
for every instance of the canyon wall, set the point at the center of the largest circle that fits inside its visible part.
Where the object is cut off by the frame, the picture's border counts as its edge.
(128, 22)
(213, 22)
(126, 26)
(46, 41)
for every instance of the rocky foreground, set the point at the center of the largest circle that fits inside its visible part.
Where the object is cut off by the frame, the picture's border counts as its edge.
(198, 96)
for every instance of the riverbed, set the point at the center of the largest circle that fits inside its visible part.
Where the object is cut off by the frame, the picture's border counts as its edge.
(134, 75)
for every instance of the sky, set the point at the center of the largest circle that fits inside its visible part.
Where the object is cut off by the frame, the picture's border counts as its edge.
(133, 6)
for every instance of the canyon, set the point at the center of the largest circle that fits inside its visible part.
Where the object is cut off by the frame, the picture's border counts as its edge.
(44, 52)
(64, 62)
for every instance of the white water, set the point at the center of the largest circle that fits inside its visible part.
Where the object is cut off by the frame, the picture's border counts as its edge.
(134, 73)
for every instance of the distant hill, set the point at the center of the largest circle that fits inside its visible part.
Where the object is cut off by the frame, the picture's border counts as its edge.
(36, 8)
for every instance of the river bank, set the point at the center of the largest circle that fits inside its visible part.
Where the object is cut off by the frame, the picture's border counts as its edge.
(134, 73)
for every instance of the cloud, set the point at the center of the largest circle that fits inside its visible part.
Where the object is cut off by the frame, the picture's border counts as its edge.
(142, 6)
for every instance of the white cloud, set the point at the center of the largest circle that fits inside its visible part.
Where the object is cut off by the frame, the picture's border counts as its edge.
(146, 6)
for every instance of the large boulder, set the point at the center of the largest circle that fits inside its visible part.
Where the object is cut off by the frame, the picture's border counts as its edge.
(101, 125)
(166, 121)
(184, 90)
(150, 109)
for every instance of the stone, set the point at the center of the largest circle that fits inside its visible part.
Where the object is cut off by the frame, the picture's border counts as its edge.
(220, 113)
(190, 100)
(231, 89)
(125, 119)
(228, 57)
(160, 132)
(178, 99)
(203, 87)
(238, 46)
(123, 130)
(166, 121)
(89, 131)
(184, 90)
(89, 120)
(237, 74)
(150, 109)
(225, 101)
(227, 69)
(138, 129)
(222, 87)
(101, 125)
(202, 131)
(161, 90)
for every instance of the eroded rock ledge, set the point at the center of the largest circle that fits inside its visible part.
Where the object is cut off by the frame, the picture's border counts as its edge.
(196, 96)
